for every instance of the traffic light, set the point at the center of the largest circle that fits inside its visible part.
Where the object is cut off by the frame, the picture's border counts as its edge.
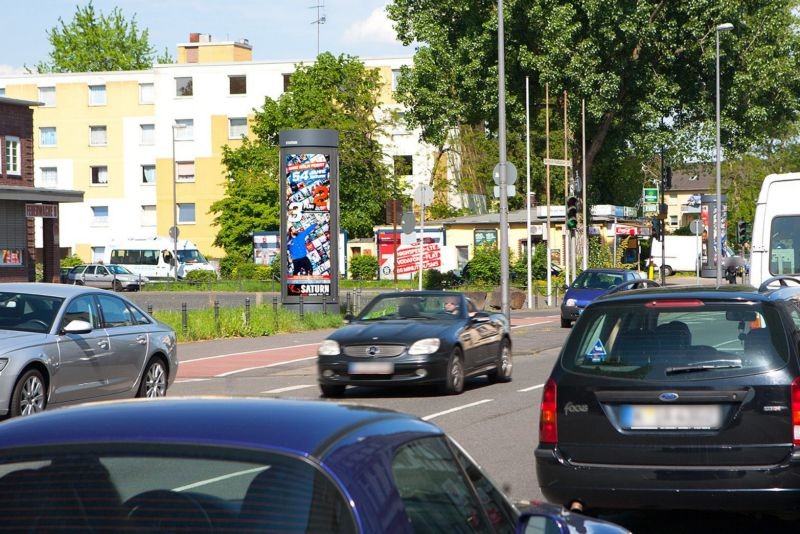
(668, 178)
(741, 232)
(572, 213)
(657, 228)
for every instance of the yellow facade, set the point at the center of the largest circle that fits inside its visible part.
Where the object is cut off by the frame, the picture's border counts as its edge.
(211, 52)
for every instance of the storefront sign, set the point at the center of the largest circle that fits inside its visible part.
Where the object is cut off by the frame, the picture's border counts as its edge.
(46, 211)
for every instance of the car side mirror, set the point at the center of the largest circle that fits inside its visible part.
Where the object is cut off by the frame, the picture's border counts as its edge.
(77, 327)
(348, 318)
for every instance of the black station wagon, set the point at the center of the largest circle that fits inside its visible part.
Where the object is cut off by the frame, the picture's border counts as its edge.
(677, 398)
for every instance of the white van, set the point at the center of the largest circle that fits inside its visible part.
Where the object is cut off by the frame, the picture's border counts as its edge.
(776, 229)
(682, 252)
(152, 257)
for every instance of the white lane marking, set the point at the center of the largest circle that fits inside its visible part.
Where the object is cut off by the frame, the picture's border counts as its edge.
(186, 381)
(220, 478)
(534, 324)
(457, 408)
(288, 388)
(248, 352)
(276, 364)
(537, 386)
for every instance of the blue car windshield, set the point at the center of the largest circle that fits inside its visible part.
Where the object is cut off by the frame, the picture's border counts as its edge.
(596, 280)
(435, 306)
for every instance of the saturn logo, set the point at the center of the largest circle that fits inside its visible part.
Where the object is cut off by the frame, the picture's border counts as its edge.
(373, 350)
(668, 397)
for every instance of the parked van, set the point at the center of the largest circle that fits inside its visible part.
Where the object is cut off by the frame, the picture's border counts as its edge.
(153, 257)
(682, 253)
(775, 247)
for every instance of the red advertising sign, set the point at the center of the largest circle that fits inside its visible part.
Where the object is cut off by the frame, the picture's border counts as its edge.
(408, 257)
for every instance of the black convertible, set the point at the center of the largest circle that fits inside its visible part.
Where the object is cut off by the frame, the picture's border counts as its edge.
(416, 337)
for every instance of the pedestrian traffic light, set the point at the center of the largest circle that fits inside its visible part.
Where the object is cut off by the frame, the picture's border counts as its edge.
(657, 228)
(572, 213)
(741, 232)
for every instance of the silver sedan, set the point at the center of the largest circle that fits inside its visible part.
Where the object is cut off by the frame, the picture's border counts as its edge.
(112, 276)
(65, 344)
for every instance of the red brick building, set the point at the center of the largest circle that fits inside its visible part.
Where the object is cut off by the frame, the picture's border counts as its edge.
(21, 202)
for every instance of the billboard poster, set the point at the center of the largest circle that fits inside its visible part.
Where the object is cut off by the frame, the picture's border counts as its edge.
(408, 252)
(308, 224)
(266, 247)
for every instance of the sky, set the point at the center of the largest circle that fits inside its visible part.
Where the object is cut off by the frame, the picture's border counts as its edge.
(277, 30)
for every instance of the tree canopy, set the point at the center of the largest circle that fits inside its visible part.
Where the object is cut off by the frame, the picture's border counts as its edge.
(95, 42)
(337, 93)
(646, 70)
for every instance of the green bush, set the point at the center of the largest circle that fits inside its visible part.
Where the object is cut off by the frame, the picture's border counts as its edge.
(485, 265)
(71, 261)
(275, 267)
(228, 265)
(251, 271)
(201, 276)
(364, 267)
(432, 279)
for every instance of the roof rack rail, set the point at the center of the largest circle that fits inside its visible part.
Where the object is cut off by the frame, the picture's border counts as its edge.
(634, 284)
(781, 279)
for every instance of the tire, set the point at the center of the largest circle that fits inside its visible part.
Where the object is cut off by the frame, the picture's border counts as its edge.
(117, 286)
(332, 391)
(668, 270)
(78, 282)
(154, 380)
(30, 394)
(565, 323)
(454, 381)
(505, 364)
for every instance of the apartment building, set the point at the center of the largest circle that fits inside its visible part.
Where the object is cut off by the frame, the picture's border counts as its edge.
(145, 147)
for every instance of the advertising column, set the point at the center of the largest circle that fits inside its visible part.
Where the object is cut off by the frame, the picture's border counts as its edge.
(309, 162)
(708, 214)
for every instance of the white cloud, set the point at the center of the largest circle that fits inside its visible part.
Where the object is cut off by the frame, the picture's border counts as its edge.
(376, 28)
(10, 70)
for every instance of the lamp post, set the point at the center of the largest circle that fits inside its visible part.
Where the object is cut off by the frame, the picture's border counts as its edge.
(718, 220)
(174, 230)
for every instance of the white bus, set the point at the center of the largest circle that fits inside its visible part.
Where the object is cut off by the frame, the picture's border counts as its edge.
(776, 229)
(153, 257)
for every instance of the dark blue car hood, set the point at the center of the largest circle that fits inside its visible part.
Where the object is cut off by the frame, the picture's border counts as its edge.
(400, 331)
(583, 296)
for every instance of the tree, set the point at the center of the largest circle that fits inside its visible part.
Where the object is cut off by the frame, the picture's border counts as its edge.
(94, 42)
(336, 93)
(646, 70)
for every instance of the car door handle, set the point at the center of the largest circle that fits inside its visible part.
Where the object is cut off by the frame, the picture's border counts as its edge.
(103, 344)
(141, 340)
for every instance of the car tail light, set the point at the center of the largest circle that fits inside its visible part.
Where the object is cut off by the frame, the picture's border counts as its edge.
(675, 303)
(796, 410)
(548, 429)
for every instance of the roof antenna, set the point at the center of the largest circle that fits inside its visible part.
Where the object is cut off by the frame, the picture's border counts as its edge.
(320, 7)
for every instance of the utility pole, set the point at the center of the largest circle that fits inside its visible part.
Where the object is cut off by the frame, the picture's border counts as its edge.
(501, 90)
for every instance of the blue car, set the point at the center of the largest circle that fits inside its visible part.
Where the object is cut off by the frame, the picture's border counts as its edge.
(250, 465)
(589, 285)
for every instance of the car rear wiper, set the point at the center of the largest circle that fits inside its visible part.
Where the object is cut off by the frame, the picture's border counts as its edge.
(705, 366)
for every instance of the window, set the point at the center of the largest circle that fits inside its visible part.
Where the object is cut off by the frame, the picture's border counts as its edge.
(238, 84)
(784, 245)
(403, 165)
(148, 134)
(149, 174)
(13, 165)
(148, 216)
(186, 213)
(146, 93)
(237, 127)
(100, 215)
(47, 95)
(396, 74)
(98, 253)
(186, 133)
(47, 136)
(673, 220)
(97, 136)
(184, 171)
(97, 95)
(183, 87)
(2, 91)
(81, 309)
(287, 82)
(100, 175)
(49, 177)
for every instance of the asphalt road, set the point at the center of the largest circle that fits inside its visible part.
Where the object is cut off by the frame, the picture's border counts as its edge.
(496, 424)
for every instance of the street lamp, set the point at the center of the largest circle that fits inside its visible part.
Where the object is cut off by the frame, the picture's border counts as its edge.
(174, 230)
(718, 220)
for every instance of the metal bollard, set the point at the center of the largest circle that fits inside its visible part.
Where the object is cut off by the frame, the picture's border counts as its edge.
(324, 305)
(184, 318)
(347, 303)
(149, 309)
(358, 300)
(247, 311)
(216, 315)
(535, 297)
(301, 306)
(275, 310)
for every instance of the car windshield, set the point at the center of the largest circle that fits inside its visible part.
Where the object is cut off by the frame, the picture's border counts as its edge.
(596, 280)
(27, 313)
(191, 256)
(117, 269)
(434, 306)
(676, 339)
(183, 489)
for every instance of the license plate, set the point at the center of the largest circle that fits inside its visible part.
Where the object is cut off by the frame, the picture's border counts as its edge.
(371, 368)
(671, 417)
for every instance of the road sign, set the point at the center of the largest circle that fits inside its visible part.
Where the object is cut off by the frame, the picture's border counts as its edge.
(511, 174)
(423, 195)
(650, 195)
(650, 208)
(696, 226)
(511, 190)
(408, 222)
(174, 232)
(557, 162)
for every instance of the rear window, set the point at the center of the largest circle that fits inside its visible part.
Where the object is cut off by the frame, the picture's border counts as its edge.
(676, 340)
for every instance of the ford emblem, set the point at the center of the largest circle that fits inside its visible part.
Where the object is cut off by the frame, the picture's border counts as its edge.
(668, 397)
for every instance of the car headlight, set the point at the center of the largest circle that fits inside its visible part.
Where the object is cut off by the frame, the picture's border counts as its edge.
(571, 302)
(329, 347)
(425, 346)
